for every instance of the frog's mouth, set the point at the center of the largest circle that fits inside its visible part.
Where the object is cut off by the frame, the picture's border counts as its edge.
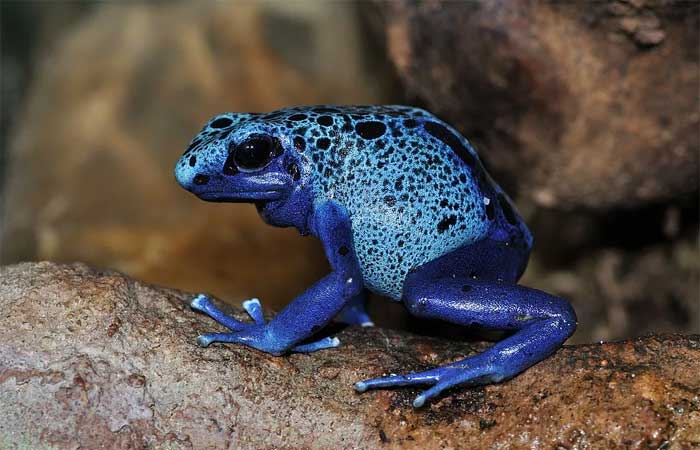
(263, 187)
(240, 197)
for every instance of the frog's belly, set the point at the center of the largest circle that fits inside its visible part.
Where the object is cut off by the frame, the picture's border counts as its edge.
(386, 251)
(419, 207)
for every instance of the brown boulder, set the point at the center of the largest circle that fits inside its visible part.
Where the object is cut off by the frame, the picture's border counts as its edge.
(573, 104)
(96, 359)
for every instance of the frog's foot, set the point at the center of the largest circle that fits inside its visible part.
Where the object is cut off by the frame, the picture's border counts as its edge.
(354, 312)
(203, 303)
(469, 371)
(251, 334)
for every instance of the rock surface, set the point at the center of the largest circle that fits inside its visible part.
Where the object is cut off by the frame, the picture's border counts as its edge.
(575, 104)
(94, 359)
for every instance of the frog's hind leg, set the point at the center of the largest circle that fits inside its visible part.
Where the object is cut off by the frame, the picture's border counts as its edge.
(354, 312)
(542, 322)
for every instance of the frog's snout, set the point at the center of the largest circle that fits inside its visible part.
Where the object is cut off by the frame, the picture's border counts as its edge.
(194, 172)
(189, 178)
(183, 178)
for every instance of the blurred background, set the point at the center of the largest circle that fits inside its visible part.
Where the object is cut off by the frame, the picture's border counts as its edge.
(586, 112)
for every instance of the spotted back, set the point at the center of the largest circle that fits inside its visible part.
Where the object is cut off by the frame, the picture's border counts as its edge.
(414, 188)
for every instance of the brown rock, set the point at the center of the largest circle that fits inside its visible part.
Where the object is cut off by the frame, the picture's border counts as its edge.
(573, 104)
(96, 359)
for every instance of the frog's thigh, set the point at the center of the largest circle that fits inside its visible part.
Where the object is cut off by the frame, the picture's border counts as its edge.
(483, 260)
(542, 321)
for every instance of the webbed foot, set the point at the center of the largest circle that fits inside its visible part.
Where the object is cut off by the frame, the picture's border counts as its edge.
(254, 334)
(469, 371)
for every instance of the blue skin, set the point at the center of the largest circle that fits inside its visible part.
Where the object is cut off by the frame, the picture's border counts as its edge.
(403, 208)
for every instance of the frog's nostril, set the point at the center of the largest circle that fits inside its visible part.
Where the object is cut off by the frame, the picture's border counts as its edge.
(200, 179)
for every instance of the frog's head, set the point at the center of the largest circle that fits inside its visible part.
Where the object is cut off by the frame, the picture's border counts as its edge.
(238, 158)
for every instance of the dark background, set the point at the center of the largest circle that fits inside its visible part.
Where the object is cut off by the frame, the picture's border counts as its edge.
(586, 112)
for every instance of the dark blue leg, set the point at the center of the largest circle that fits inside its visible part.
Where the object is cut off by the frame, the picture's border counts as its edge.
(354, 313)
(309, 312)
(542, 323)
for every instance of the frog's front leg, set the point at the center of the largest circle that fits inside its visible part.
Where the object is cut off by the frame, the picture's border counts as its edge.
(542, 323)
(204, 304)
(309, 312)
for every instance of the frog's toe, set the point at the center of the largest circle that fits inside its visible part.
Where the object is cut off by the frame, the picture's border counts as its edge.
(200, 302)
(427, 377)
(440, 378)
(203, 303)
(453, 377)
(204, 340)
(321, 344)
(254, 310)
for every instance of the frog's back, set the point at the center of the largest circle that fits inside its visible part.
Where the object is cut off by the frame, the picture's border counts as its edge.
(414, 187)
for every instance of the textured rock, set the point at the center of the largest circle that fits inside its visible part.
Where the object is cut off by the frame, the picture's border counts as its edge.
(94, 359)
(575, 104)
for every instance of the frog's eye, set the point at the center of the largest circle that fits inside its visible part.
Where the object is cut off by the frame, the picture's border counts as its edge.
(255, 152)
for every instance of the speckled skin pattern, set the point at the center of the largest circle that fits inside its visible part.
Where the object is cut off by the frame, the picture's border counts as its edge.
(403, 207)
(410, 197)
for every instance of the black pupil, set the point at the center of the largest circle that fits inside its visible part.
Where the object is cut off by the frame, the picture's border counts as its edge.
(253, 153)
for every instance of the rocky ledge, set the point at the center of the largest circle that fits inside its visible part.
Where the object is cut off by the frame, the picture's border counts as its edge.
(95, 359)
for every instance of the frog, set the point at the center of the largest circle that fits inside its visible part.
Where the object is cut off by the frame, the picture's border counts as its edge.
(404, 208)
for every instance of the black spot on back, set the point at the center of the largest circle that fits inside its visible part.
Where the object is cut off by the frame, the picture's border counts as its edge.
(326, 121)
(297, 117)
(507, 209)
(446, 223)
(370, 129)
(323, 143)
(193, 161)
(390, 200)
(451, 140)
(410, 123)
(299, 143)
(221, 123)
(343, 250)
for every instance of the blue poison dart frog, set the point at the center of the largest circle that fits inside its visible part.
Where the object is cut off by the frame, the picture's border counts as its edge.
(404, 208)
